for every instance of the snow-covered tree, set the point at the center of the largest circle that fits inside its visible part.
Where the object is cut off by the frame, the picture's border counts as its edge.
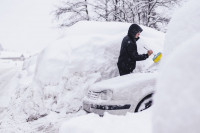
(145, 12)
(148, 14)
(102, 8)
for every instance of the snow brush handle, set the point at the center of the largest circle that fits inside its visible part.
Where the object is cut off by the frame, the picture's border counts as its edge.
(147, 50)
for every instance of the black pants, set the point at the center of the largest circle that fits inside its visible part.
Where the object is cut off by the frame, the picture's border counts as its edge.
(123, 70)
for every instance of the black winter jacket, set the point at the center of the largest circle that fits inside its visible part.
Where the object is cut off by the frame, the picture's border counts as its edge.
(128, 53)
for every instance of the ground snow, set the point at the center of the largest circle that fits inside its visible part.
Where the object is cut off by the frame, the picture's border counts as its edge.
(92, 123)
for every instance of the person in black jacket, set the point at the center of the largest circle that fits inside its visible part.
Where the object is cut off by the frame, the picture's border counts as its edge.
(128, 53)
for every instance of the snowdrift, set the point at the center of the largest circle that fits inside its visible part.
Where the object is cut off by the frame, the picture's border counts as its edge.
(176, 101)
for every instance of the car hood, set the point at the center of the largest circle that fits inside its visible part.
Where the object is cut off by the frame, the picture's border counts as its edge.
(126, 86)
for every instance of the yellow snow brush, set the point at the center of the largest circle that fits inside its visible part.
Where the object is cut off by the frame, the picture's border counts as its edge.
(156, 57)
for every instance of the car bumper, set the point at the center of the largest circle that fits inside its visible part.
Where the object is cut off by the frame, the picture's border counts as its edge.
(102, 108)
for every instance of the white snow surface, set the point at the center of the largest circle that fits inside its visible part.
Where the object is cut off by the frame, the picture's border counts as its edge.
(50, 86)
(92, 123)
(183, 26)
(177, 98)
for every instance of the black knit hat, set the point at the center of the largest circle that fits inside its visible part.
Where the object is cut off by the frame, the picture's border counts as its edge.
(133, 30)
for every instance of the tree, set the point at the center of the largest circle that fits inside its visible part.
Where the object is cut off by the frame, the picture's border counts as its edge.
(145, 12)
(102, 10)
(148, 14)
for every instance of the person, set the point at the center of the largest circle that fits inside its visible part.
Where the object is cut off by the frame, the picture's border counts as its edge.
(128, 53)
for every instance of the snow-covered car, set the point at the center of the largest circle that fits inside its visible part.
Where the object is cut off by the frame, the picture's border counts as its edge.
(122, 94)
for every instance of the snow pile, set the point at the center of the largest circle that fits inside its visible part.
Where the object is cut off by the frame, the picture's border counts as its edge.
(178, 95)
(92, 123)
(182, 26)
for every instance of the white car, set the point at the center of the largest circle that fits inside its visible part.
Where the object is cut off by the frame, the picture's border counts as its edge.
(122, 94)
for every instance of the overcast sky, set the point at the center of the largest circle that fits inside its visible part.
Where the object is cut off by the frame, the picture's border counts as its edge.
(26, 25)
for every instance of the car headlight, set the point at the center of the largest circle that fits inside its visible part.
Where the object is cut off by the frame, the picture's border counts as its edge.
(106, 94)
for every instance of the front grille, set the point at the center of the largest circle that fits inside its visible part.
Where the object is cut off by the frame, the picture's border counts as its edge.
(111, 107)
(93, 95)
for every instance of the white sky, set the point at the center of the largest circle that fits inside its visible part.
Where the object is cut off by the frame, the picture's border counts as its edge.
(25, 23)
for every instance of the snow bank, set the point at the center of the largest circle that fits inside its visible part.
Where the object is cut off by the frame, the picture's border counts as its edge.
(178, 95)
(92, 123)
(184, 25)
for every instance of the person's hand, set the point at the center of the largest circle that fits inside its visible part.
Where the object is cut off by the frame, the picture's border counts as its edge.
(149, 52)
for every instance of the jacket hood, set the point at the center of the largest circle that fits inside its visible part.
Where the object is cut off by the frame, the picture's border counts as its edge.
(133, 30)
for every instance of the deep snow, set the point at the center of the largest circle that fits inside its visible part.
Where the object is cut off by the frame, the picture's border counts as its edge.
(176, 101)
(51, 84)
(92, 123)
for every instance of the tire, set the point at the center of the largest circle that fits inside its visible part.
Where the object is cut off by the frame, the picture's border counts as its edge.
(145, 103)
